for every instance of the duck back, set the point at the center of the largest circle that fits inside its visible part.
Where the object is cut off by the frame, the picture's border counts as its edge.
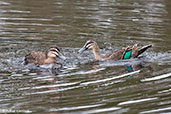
(34, 57)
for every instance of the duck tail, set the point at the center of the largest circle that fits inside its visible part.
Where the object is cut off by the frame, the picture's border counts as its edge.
(144, 48)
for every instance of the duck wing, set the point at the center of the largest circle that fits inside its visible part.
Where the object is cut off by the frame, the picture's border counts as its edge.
(137, 50)
(126, 53)
(34, 57)
(114, 55)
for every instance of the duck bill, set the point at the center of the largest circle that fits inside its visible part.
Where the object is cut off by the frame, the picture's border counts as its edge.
(61, 56)
(82, 50)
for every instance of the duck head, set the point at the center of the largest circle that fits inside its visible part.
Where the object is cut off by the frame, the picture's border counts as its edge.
(54, 52)
(90, 44)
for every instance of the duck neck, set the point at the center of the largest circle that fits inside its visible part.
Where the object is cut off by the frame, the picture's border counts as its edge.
(49, 60)
(96, 52)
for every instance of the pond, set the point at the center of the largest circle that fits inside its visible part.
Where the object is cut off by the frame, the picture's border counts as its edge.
(82, 86)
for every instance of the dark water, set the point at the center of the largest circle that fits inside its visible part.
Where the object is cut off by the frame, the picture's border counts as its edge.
(138, 86)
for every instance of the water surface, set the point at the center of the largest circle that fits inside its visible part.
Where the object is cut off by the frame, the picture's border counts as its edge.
(136, 86)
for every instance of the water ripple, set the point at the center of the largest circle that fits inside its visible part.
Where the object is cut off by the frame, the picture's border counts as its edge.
(157, 77)
(156, 110)
(109, 79)
(49, 86)
(75, 108)
(102, 110)
(137, 101)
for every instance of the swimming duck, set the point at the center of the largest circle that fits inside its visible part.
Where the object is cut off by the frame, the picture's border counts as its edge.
(41, 58)
(119, 54)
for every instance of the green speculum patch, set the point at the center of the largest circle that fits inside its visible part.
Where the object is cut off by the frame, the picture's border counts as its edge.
(127, 55)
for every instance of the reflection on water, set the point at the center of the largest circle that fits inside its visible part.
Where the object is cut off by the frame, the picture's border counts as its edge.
(140, 86)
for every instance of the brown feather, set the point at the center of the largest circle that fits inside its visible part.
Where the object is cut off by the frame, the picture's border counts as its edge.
(35, 57)
(114, 55)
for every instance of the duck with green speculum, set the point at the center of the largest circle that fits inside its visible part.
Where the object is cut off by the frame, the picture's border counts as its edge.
(114, 55)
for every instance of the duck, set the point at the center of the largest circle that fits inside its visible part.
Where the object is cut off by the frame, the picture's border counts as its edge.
(42, 58)
(119, 54)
